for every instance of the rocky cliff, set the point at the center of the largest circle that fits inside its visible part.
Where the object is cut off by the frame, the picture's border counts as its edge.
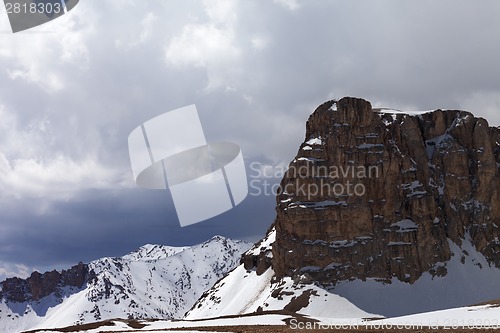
(38, 285)
(376, 193)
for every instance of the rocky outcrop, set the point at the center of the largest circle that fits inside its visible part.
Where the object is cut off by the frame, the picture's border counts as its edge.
(376, 193)
(38, 286)
(260, 254)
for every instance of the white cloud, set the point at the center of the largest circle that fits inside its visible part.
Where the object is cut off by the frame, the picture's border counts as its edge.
(10, 270)
(73, 42)
(145, 34)
(59, 177)
(50, 82)
(259, 42)
(36, 56)
(289, 4)
(211, 45)
(31, 167)
(221, 11)
(201, 46)
(35, 136)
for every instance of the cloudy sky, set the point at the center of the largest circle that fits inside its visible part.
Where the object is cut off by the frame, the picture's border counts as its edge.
(72, 90)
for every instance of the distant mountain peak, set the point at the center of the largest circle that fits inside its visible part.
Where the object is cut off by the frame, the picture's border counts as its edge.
(154, 252)
(154, 281)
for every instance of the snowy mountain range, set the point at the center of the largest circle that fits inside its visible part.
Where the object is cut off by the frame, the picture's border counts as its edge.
(245, 291)
(421, 243)
(154, 281)
(422, 235)
(470, 280)
(245, 298)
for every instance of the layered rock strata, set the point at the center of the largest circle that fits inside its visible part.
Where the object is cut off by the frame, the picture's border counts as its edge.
(376, 193)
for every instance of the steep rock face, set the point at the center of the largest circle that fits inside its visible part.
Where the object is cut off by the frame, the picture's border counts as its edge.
(376, 193)
(38, 286)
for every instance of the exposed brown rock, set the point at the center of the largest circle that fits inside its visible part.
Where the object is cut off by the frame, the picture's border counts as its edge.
(37, 286)
(427, 179)
(260, 255)
(300, 302)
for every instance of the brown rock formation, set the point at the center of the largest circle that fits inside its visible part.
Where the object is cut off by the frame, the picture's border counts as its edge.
(37, 286)
(378, 194)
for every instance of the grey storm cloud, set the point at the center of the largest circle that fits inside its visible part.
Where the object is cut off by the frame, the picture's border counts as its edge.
(73, 89)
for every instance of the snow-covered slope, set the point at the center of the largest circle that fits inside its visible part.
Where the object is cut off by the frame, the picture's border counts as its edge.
(469, 279)
(177, 326)
(470, 317)
(153, 282)
(244, 291)
(473, 317)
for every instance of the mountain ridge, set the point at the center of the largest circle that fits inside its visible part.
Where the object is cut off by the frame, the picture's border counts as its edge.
(163, 285)
(423, 235)
(415, 238)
